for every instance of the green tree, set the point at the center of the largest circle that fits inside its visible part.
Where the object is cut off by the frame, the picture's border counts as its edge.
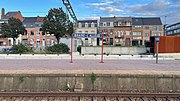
(55, 23)
(12, 29)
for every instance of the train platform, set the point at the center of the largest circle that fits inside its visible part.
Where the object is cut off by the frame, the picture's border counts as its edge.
(54, 66)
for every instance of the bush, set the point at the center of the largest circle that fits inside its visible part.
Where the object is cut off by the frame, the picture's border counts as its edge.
(20, 49)
(58, 48)
(79, 49)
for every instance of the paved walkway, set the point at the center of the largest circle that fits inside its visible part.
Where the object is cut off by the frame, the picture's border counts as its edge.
(110, 66)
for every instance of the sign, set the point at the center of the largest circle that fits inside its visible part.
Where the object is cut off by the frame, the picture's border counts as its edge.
(157, 39)
(82, 35)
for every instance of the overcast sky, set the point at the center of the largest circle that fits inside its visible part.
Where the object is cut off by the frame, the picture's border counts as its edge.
(86, 9)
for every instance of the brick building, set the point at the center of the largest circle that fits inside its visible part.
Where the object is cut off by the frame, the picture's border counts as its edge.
(34, 36)
(4, 19)
(127, 31)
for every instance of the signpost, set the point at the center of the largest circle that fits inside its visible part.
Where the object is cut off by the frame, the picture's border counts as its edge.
(157, 39)
(85, 35)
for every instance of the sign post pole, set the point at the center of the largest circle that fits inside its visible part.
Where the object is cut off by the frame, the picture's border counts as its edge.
(157, 45)
(102, 61)
(71, 50)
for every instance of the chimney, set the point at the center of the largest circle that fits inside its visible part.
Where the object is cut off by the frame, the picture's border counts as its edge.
(2, 12)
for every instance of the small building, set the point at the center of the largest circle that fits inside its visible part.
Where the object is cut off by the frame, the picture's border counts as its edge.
(173, 30)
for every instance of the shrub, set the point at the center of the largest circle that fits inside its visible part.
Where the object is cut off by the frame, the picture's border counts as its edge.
(79, 49)
(20, 49)
(58, 48)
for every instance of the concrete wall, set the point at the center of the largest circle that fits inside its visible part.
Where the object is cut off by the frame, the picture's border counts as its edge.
(113, 50)
(82, 82)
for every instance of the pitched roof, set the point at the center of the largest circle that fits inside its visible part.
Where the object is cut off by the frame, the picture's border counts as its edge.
(10, 15)
(40, 19)
(146, 21)
(29, 22)
(107, 19)
(87, 21)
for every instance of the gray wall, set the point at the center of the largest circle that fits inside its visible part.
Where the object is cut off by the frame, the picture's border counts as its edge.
(82, 82)
(113, 50)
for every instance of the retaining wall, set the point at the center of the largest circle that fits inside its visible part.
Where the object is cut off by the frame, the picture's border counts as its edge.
(82, 82)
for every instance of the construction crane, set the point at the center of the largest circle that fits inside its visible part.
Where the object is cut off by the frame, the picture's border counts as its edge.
(70, 9)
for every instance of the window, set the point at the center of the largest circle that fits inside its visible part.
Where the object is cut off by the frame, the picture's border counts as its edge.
(83, 24)
(157, 34)
(101, 24)
(108, 24)
(37, 33)
(95, 25)
(89, 25)
(86, 31)
(32, 32)
(111, 31)
(146, 27)
(137, 26)
(79, 31)
(146, 34)
(137, 33)
(92, 32)
(48, 41)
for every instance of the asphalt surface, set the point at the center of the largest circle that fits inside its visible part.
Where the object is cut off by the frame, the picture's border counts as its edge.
(40, 64)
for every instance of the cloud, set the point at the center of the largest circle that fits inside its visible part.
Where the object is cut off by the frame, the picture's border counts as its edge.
(109, 9)
(148, 8)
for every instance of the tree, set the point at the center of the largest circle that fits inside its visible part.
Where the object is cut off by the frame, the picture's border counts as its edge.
(70, 28)
(12, 29)
(55, 23)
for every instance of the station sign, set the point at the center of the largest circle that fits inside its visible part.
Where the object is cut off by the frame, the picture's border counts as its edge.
(157, 39)
(83, 35)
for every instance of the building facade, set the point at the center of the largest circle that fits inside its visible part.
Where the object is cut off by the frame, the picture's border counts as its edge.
(4, 19)
(144, 28)
(34, 35)
(128, 31)
(173, 30)
(87, 27)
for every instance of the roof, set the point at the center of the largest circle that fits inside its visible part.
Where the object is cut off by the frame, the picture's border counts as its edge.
(40, 19)
(146, 21)
(29, 22)
(87, 21)
(107, 19)
(10, 15)
(173, 24)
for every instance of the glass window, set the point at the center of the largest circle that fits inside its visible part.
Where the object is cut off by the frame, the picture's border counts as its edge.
(101, 24)
(108, 24)
(32, 32)
(83, 24)
(89, 25)
(137, 33)
(86, 31)
(146, 34)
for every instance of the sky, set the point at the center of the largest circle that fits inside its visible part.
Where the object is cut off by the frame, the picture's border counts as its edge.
(168, 10)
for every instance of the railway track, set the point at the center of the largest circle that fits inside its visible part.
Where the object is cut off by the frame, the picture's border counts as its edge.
(87, 96)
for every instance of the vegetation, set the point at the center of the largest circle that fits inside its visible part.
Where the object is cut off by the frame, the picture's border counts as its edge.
(79, 49)
(58, 48)
(12, 29)
(57, 23)
(93, 79)
(20, 49)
